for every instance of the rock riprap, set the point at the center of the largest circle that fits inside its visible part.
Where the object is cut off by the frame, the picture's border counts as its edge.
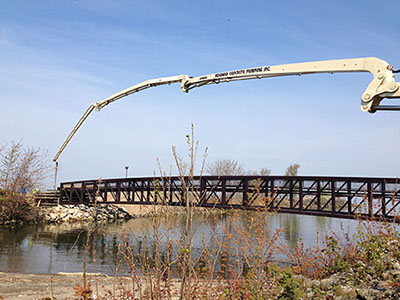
(82, 212)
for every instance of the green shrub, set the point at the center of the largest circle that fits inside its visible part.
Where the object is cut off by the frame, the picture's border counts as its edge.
(291, 286)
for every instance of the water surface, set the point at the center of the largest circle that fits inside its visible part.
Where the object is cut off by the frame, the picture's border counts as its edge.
(61, 247)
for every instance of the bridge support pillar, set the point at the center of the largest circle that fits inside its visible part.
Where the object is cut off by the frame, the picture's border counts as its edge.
(370, 204)
(319, 195)
(118, 195)
(383, 201)
(349, 198)
(291, 193)
(223, 192)
(245, 192)
(300, 183)
(82, 192)
(271, 195)
(203, 190)
(333, 196)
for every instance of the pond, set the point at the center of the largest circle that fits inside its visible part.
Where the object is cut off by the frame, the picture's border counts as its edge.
(61, 247)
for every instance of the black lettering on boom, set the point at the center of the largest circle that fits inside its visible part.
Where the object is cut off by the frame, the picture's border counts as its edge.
(221, 74)
(243, 71)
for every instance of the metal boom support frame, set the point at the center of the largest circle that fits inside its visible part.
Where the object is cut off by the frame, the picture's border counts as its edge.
(383, 84)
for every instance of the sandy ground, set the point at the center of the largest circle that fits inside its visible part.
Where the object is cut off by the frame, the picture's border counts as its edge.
(151, 210)
(59, 286)
(139, 210)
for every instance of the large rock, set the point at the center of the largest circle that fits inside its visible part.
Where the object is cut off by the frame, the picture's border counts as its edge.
(327, 283)
(82, 212)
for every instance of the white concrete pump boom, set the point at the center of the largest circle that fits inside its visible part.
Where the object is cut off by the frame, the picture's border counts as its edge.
(383, 85)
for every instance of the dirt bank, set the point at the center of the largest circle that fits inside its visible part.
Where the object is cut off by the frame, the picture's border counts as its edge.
(59, 286)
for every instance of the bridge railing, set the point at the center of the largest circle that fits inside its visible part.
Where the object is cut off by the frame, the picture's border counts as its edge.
(345, 197)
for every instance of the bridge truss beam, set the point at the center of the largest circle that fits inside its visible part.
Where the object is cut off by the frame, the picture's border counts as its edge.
(342, 197)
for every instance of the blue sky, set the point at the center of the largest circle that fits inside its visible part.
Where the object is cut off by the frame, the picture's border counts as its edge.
(57, 57)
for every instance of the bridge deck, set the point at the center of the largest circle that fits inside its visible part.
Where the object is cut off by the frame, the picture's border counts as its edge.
(344, 197)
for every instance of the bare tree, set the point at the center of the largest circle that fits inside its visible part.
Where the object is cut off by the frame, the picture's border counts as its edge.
(261, 172)
(8, 167)
(223, 167)
(22, 167)
(292, 170)
(265, 172)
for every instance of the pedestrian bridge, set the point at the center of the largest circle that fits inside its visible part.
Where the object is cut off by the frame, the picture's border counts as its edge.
(342, 197)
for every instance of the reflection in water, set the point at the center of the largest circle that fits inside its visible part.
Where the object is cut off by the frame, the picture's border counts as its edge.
(291, 229)
(60, 248)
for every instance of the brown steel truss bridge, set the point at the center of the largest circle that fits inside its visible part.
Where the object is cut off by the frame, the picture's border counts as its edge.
(342, 197)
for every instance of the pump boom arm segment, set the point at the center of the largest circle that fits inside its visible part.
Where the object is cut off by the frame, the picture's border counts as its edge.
(100, 104)
(383, 84)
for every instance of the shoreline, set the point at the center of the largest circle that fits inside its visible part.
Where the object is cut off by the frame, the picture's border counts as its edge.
(63, 285)
(108, 213)
(60, 286)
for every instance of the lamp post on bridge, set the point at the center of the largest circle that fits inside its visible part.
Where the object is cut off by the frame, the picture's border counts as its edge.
(126, 171)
